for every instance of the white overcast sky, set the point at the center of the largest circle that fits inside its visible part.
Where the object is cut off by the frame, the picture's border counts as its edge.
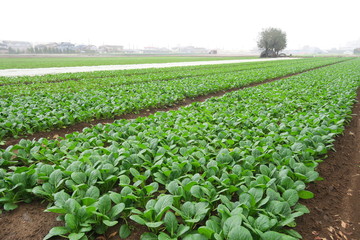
(227, 24)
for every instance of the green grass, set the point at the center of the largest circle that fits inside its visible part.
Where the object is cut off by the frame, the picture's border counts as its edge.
(39, 62)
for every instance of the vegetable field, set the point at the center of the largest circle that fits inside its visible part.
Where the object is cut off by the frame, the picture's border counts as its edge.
(232, 167)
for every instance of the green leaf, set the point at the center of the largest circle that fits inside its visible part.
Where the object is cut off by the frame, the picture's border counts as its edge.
(116, 210)
(297, 147)
(224, 156)
(124, 231)
(55, 177)
(257, 193)
(277, 207)
(171, 223)
(55, 209)
(195, 236)
(61, 197)
(304, 194)
(148, 236)
(172, 187)
(301, 208)
(292, 233)
(164, 236)
(207, 232)
(154, 224)
(275, 236)
(230, 223)
(124, 180)
(182, 229)
(196, 191)
(87, 201)
(76, 236)
(201, 208)
(287, 222)
(163, 203)
(291, 196)
(138, 219)
(93, 192)
(71, 205)
(110, 223)
(134, 172)
(49, 189)
(213, 225)
(312, 176)
(56, 231)
(78, 177)
(10, 206)
(239, 233)
(104, 204)
(262, 223)
(70, 221)
(116, 197)
(188, 209)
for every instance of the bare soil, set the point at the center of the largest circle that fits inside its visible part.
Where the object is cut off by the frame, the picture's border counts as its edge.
(28, 222)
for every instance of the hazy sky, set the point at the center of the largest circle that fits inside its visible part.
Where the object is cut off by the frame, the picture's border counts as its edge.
(228, 24)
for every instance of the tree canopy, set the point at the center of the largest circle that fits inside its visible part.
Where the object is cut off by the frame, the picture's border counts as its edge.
(271, 41)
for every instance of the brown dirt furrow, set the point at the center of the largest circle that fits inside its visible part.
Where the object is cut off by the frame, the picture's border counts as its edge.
(28, 222)
(335, 210)
(56, 133)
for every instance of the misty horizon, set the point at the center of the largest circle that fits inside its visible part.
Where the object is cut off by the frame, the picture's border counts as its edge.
(229, 25)
(132, 46)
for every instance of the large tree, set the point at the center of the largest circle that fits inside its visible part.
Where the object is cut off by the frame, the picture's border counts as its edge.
(271, 41)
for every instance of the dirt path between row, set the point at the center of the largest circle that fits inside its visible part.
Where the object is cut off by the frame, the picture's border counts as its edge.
(335, 210)
(60, 133)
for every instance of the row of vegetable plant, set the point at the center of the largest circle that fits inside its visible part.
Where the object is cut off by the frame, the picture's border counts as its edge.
(26, 109)
(135, 75)
(88, 81)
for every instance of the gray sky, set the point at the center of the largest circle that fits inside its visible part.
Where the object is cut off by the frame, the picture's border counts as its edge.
(228, 24)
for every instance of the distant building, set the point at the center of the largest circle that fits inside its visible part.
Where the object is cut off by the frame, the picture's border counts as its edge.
(3, 48)
(46, 48)
(66, 47)
(190, 49)
(155, 50)
(133, 51)
(111, 49)
(86, 48)
(18, 46)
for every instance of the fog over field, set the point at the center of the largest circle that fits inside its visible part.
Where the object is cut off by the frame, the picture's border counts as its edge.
(228, 24)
